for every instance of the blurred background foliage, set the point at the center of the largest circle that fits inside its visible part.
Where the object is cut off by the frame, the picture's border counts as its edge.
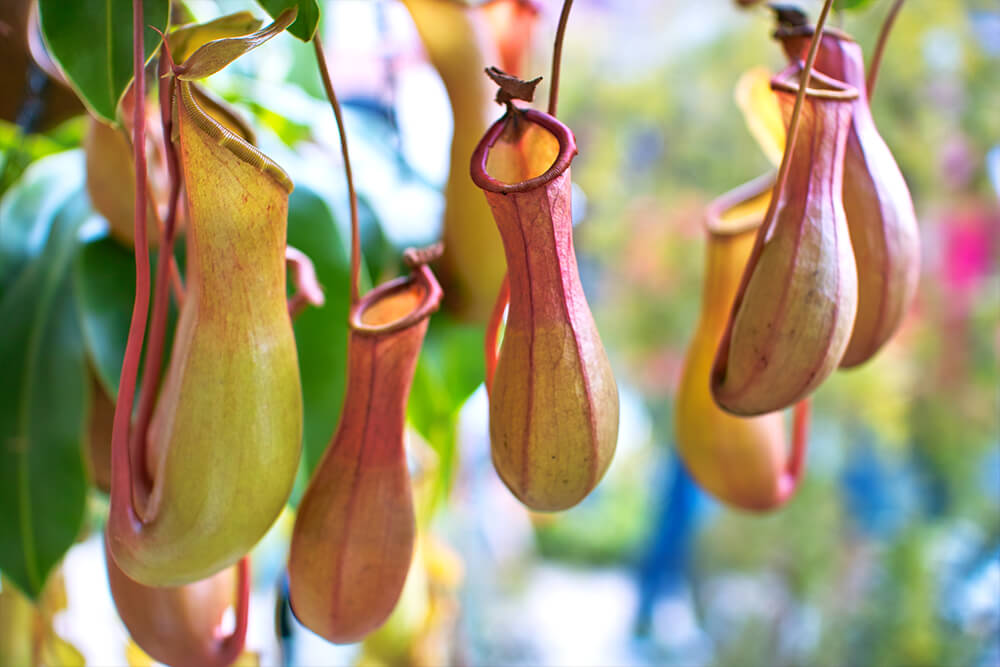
(890, 552)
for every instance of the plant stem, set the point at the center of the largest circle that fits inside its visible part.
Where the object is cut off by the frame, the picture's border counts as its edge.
(161, 299)
(166, 93)
(793, 123)
(883, 38)
(800, 438)
(123, 464)
(232, 646)
(355, 230)
(792, 474)
(557, 57)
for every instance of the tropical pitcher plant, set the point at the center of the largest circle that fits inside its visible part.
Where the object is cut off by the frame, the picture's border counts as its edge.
(197, 432)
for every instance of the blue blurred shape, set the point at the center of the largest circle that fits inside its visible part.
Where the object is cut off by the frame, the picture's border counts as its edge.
(664, 563)
(867, 491)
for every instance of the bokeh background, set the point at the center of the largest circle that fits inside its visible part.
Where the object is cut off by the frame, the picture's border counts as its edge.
(889, 554)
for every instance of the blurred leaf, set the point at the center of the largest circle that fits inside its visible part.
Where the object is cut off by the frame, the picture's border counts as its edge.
(29, 208)
(211, 57)
(188, 38)
(573, 536)
(43, 103)
(91, 40)
(18, 150)
(320, 333)
(450, 368)
(841, 5)
(17, 620)
(54, 598)
(104, 282)
(104, 276)
(43, 407)
(58, 651)
(308, 17)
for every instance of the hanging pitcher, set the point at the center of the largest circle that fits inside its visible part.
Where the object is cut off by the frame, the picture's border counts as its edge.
(797, 300)
(553, 399)
(354, 532)
(740, 460)
(877, 202)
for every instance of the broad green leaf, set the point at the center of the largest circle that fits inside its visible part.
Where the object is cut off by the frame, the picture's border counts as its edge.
(212, 56)
(104, 278)
(186, 39)
(320, 333)
(104, 283)
(450, 368)
(91, 40)
(29, 207)
(43, 409)
(308, 18)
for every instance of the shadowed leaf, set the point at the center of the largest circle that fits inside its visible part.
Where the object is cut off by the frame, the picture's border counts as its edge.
(43, 407)
(308, 17)
(320, 333)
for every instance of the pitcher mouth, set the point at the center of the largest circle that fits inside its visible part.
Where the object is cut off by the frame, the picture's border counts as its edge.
(567, 150)
(715, 213)
(397, 304)
(821, 86)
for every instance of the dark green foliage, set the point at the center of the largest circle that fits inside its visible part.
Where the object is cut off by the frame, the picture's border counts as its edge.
(43, 396)
(92, 42)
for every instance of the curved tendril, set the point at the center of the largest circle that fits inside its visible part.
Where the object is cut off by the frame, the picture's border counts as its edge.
(493, 331)
(307, 289)
(883, 39)
(557, 57)
(158, 326)
(232, 646)
(124, 471)
(797, 457)
(355, 231)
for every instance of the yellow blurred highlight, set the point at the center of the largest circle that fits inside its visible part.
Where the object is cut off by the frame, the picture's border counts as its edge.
(760, 110)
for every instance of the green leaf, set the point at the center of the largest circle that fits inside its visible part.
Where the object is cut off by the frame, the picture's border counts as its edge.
(211, 57)
(19, 150)
(91, 40)
(29, 207)
(104, 278)
(320, 333)
(104, 282)
(308, 18)
(450, 368)
(43, 410)
(841, 5)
